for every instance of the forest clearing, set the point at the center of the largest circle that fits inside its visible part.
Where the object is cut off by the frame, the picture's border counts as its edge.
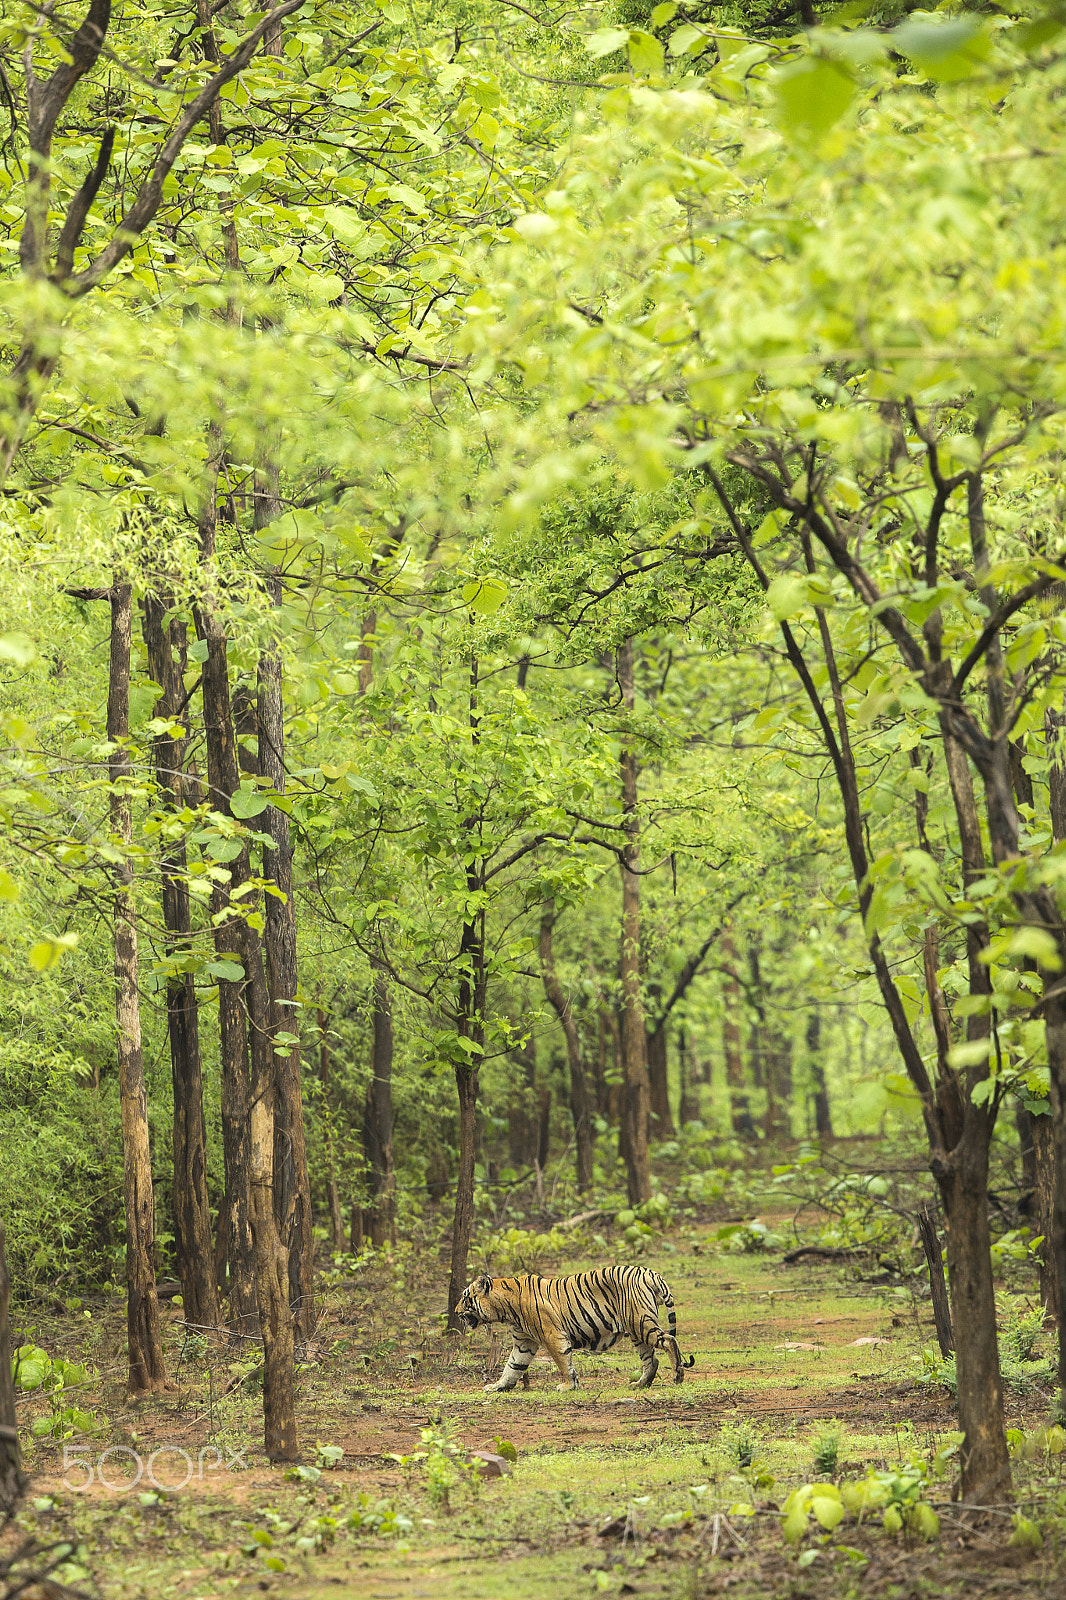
(802, 1374)
(532, 797)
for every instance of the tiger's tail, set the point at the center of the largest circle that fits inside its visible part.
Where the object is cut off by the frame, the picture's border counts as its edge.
(661, 1290)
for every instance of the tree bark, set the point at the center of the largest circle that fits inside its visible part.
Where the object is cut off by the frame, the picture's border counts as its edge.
(632, 1038)
(165, 643)
(377, 1127)
(823, 1122)
(292, 1185)
(466, 1084)
(147, 1372)
(336, 1221)
(689, 1106)
(937, 1286)
(740, 1106)
(659, 1081)
(580, 1105)
(12, 1478)
(222, 783)
(1043, 1211)
(521, 1129)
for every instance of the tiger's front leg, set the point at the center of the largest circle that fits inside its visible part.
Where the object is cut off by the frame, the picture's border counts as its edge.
(517, 1367)
(558, 1347)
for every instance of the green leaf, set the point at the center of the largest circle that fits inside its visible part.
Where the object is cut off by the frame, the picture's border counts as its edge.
(485, 595)
(605, 41)
(827, 1511)
(246, 803)
(645, 53)
(812, 94)
(231, 971)
(45, 954)
(787, 595)
(946, 49)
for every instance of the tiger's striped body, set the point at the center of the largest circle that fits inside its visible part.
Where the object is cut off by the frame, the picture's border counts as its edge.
(584, 1311)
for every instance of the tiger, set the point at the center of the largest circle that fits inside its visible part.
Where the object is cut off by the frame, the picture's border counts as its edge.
(583, 1311)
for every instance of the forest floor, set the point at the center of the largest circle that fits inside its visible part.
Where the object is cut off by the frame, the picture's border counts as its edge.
(676, 1491)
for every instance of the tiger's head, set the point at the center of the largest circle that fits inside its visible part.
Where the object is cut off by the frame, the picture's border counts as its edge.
(473, 1309)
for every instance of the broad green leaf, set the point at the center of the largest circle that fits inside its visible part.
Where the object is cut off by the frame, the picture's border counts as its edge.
(811, 95)
(231, 971)
(645, 53)
(946, 48)
(485, 595)
(786, 596)
(246, 803)
(605, 41)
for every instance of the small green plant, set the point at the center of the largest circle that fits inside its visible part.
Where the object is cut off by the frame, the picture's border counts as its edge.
(747, 1238)
(827, 1452)
(34, 1371)
(1022, 1332)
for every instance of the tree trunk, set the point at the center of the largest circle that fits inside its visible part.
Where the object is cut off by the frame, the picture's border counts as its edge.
(272, 1281)
(222, 782)
(762, 1056)
(377, 1127)
(963, 1184)
(165, 643)
(521, 1128)
(466, 1083)
(258, 1257)
(12, 1478)
(689, 1107)
(743, 1125)
(635, 1107)
(146, 1368)
(336, 1221)
(1042, 1211)
(292, 1186)
(937, 1287)
(1023, 1121)
(659, 1082)
(544, 1127)
(823, 1122)
(580, 1106)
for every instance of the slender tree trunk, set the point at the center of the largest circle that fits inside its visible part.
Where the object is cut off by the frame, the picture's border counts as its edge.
(632, 1038)
(470, 1018)
(1043, 1212)
(336, 1221)
(1023, 1121)
(743, 1125)
(466, 1083)
(521, 1131)
(292, 1185)
(689, 1107)
(762, 1055)
(580, 1106)
(12, 1478)
(272, 1281)
(659, 1081)
(823, 1122)
(937, 1287)
(165, 643)
(223, 781)
(146, 1368)
(377, 1128)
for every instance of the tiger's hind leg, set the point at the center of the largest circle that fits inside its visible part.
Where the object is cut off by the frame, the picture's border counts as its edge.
(649, 1366)
(517, 1367)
